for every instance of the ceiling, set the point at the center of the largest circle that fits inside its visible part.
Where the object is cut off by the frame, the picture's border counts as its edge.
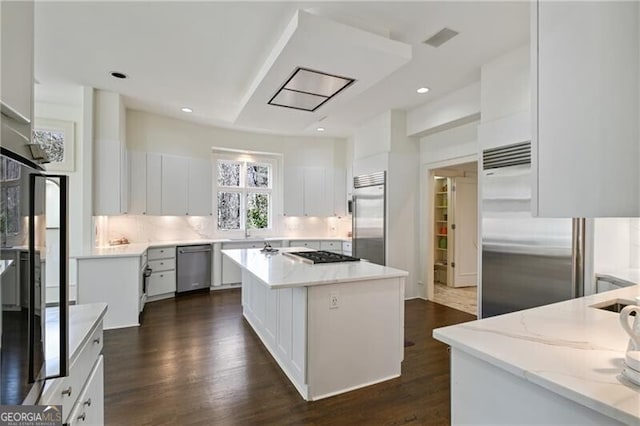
(216, 57)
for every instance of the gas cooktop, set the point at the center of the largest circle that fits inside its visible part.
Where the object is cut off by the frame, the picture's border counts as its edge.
(321, 256)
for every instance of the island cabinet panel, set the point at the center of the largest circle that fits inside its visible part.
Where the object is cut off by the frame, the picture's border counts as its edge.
(279, 318)
(485, 394)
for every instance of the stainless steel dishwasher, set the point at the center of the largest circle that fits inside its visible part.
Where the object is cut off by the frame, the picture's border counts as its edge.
(194, 268)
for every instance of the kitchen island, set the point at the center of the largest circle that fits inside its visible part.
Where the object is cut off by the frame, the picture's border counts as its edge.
(331, 327)
(555, 364)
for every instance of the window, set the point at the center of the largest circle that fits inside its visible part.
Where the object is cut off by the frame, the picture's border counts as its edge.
(244, 193)
(9, 197)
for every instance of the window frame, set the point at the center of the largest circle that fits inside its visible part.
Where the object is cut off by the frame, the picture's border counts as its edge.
(246, 159)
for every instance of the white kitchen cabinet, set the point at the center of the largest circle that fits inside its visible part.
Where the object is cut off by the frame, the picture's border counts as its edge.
(332, 246)
(200, 188)
(339, 192)
(154, 184)
(312, 244)
(162, 282)
(175, 183)
(138, 181)
(81, 392)
(293, 191)
(115, 281)
(111, 166)
(110, 179)
(314, 193)
(585, 109)
(17, 36)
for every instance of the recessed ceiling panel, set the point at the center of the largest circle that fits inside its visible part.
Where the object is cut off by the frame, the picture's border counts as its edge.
(317, 82)
(297, 100)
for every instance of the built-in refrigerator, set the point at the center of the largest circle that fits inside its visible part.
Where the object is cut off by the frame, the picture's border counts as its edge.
(369, 222)
(526, 261)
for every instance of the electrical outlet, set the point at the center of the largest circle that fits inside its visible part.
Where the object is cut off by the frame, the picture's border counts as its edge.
(334, 300)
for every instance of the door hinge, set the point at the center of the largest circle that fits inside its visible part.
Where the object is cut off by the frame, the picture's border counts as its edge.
(453, 226)
(453, 264)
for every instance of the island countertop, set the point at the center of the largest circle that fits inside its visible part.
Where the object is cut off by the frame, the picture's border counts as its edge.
(569, 348)
(279, 271)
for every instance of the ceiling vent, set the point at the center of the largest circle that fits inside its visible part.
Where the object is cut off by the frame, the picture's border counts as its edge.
(441, 37)
(308, 90)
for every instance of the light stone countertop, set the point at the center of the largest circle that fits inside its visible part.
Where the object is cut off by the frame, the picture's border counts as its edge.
(137, 249)
(279, 271)
(82, 318)
(569, 348)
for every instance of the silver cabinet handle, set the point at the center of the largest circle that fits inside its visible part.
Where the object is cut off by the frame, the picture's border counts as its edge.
(96, 340)
(67, 391)
(82, 417)
(87, 403)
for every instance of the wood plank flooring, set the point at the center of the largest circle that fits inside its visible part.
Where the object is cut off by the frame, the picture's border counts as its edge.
(196, 361)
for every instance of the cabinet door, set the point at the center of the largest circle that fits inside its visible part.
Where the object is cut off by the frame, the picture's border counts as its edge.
(200, 187)
(293, 191)
(585, 142)
(137, 182)
(17, 56)
(124, 179)
(161, 283)
(175, 183)
(339, 192)
(314, 202)
(154, 184)
(106, 185)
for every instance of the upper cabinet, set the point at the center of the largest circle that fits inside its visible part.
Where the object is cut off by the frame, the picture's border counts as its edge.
(17, 31)
(169, 185)
(585, 65)
(314, 191)
(111, 164)
(16, 74)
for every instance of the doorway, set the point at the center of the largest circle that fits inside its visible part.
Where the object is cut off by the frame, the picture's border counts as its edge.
(452, 236)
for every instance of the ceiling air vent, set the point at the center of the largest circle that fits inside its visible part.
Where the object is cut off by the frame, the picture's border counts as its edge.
(441, 37)
(308, 90)
(505, 156)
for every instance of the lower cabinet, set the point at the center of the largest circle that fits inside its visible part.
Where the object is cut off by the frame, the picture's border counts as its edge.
(162, 282)
(81, 393)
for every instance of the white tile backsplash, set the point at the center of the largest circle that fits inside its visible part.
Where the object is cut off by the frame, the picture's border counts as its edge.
(141, 229)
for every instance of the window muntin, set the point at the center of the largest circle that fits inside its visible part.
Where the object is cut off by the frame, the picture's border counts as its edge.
(244, 194)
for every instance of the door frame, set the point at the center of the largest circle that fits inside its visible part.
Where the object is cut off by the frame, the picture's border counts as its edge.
(426, 222)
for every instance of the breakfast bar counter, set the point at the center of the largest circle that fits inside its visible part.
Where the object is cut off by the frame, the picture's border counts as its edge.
(331, 327)
(555, 364)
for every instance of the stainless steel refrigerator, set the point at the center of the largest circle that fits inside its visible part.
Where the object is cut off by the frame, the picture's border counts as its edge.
(369, 223)
(526, 261)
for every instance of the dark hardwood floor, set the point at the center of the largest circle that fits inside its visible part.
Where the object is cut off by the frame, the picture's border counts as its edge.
(196, 361)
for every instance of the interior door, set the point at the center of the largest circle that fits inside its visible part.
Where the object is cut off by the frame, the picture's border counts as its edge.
(465, 231)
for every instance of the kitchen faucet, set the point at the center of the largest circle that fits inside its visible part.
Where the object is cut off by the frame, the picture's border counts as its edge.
(246, 233)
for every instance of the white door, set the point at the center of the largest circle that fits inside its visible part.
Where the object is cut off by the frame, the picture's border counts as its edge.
(465, 233)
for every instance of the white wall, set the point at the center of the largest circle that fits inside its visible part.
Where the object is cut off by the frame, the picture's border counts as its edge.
(454, 109)
(458, 142)
(373, 137)
(505, 85)
(156, 133)
(616, 244)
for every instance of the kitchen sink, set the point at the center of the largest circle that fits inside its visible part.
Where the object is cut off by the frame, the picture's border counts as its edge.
(615, 305)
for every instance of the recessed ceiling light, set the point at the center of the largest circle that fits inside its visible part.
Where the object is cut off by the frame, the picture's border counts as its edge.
(185, 109)
(422, 90)
(320, 129)
(117, 74)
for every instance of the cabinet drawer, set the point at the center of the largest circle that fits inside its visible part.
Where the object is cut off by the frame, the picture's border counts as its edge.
(162, 253)
(333, 246)
(89, 409)
(65, 391)
(312, 244)
(162, 265)
(161, 283)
